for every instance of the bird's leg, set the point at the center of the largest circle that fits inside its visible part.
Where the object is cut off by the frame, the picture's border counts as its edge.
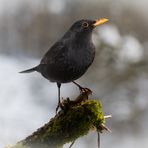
(82, 89)
(59, 101)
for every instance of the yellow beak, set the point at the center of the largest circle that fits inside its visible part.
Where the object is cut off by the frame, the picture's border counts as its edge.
(100, 21)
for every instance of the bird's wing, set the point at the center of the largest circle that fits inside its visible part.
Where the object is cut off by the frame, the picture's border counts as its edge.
(54, 53)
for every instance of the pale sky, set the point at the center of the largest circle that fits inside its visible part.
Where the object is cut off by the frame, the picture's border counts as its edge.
(7, 4)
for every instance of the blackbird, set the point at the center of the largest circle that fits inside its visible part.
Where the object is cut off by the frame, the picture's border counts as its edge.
(69, 58)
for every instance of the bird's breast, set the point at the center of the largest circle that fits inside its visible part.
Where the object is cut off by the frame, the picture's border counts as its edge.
(82, 55)
(70, 65)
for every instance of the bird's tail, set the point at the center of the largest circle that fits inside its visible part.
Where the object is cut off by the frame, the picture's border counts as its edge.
(29, 70)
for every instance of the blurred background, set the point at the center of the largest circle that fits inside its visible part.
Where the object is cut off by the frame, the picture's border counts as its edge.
(118, 76)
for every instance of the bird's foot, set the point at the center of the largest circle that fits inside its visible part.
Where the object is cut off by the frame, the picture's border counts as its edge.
(57, 108)
(85, 91)
(60, 105)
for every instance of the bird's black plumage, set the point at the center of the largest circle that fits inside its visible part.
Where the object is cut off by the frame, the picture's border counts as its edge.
(69, 58)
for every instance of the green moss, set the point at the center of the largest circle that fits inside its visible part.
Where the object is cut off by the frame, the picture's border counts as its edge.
(67, 126)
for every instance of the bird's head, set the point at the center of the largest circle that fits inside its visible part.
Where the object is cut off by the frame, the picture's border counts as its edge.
(86, 25)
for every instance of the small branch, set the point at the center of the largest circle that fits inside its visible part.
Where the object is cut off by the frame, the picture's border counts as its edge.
(107, 116)
(71, 144)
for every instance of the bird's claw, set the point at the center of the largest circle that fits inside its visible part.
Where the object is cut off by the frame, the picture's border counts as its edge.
(60, 105)
(85, 91)
(57, 108)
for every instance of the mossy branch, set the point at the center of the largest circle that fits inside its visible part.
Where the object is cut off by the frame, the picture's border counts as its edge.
(74, 120)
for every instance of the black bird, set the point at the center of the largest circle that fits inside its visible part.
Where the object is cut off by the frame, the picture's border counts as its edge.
(69, 58)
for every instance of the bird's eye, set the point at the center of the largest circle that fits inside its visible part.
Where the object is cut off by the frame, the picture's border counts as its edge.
(85, 24)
